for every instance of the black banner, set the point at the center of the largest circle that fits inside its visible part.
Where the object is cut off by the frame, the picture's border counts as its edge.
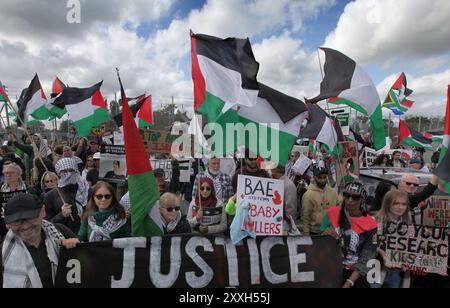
(191, 261)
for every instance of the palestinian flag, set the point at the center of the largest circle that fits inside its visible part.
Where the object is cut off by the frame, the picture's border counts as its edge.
(443, 169)
(269, 129)
(3, 95)
(345, 82)
(396, 98)
(135, 104)
(144, 117)
(224, 74)
(437, 137)
(32, 102)
(410, 137)
(144, 193)
(57, 89)
(321, 128)
(86, 107)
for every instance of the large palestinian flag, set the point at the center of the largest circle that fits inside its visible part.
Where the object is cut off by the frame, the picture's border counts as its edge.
(32, 102)
(269, 129)
(410, 137)
(86, 107)
(144, 193)
(443, 169)
(224, 74)
(396, 99)
(345, 82)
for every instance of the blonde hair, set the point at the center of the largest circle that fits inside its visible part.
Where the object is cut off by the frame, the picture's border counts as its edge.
(388, 201)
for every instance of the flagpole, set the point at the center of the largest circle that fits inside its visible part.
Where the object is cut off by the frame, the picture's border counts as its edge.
(389, 125)
(337, 161)
(39, 156)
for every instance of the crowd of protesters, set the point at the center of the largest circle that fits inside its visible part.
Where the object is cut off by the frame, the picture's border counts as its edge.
(61, 202)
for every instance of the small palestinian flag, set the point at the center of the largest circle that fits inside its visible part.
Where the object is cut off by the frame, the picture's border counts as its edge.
(396, 99)
(86, 107)
(345, 82)
(57, 89)
(32, 102)
(437, 137)
(410, 137)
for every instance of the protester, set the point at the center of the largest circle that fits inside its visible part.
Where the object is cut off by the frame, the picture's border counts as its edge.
(381, 161)
(355, 230)
(394, 211)
(68, 153)
(251, 168)
(318, 198)
(206, 198)
(170, 210)
(93, 174)
(104, 218)
(382, 189)
(38, 171)
(222, 181)
(72, 136)
(41, 148)
(74, 191)
(49, 182)
(295, 155)
(90, 165)
(30, 251)
(290, 191)
(396, 161)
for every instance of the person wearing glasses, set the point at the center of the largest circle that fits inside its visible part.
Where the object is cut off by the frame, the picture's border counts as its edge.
(206, 199)
(30, 251)
(410, 184)
(74, 191)
(104, 218)
(355, 230)
(172, 219)
(49, 182)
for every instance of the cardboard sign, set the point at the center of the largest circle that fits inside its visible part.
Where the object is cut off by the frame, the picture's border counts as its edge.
(118, 137)
(302, 164)
(157, 142)
(113, 164)
(370, 156)
(348, 171)
(422, 250)
(437, 212)
(266, 198)
(185, 171)
(211, 215)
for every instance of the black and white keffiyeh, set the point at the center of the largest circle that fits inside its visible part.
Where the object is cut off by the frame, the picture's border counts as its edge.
(103, 233)
(71, 179)
(19, 270)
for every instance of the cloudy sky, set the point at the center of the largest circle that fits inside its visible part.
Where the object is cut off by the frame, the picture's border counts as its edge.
(149, 41)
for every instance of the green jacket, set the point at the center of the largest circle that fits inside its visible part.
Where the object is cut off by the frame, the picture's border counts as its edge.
(100, 217)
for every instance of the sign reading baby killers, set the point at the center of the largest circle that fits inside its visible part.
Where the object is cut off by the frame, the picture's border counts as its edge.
(157, 142)
(191, 261)
(437, 212)
(422, 250)
(266, 198)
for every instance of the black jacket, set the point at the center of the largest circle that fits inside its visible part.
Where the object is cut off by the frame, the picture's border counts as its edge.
(182, 227)
(422, 195)
(53, 204)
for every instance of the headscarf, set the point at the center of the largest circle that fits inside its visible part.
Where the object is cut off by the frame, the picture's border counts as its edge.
(43, 150)
(211, 201)
(72, 179)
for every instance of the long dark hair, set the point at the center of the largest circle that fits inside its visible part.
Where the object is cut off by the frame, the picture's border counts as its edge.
(115, 204)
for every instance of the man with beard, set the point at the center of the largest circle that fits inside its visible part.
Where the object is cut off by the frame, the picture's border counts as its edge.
(319, 197)
(222, 181)
(30, 251)
(75, 192)
(251, 168)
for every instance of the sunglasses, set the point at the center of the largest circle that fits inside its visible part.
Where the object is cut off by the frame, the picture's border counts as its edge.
(412, 184)
(171, 209)
(49, 181)
(203, 188)
(100, 197)
(354, 197)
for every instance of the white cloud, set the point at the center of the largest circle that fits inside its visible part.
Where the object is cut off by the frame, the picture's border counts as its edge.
(384, 30)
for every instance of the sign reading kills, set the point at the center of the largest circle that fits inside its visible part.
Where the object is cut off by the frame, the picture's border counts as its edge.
(266, 198)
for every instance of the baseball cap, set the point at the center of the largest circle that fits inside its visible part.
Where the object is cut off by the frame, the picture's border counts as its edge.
(21, 207)
(415, 161)
(97, 156)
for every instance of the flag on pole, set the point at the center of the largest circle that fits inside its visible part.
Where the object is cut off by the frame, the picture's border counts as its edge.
(144, 193)
(32, 102)
(345, 82)
(410, 137)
